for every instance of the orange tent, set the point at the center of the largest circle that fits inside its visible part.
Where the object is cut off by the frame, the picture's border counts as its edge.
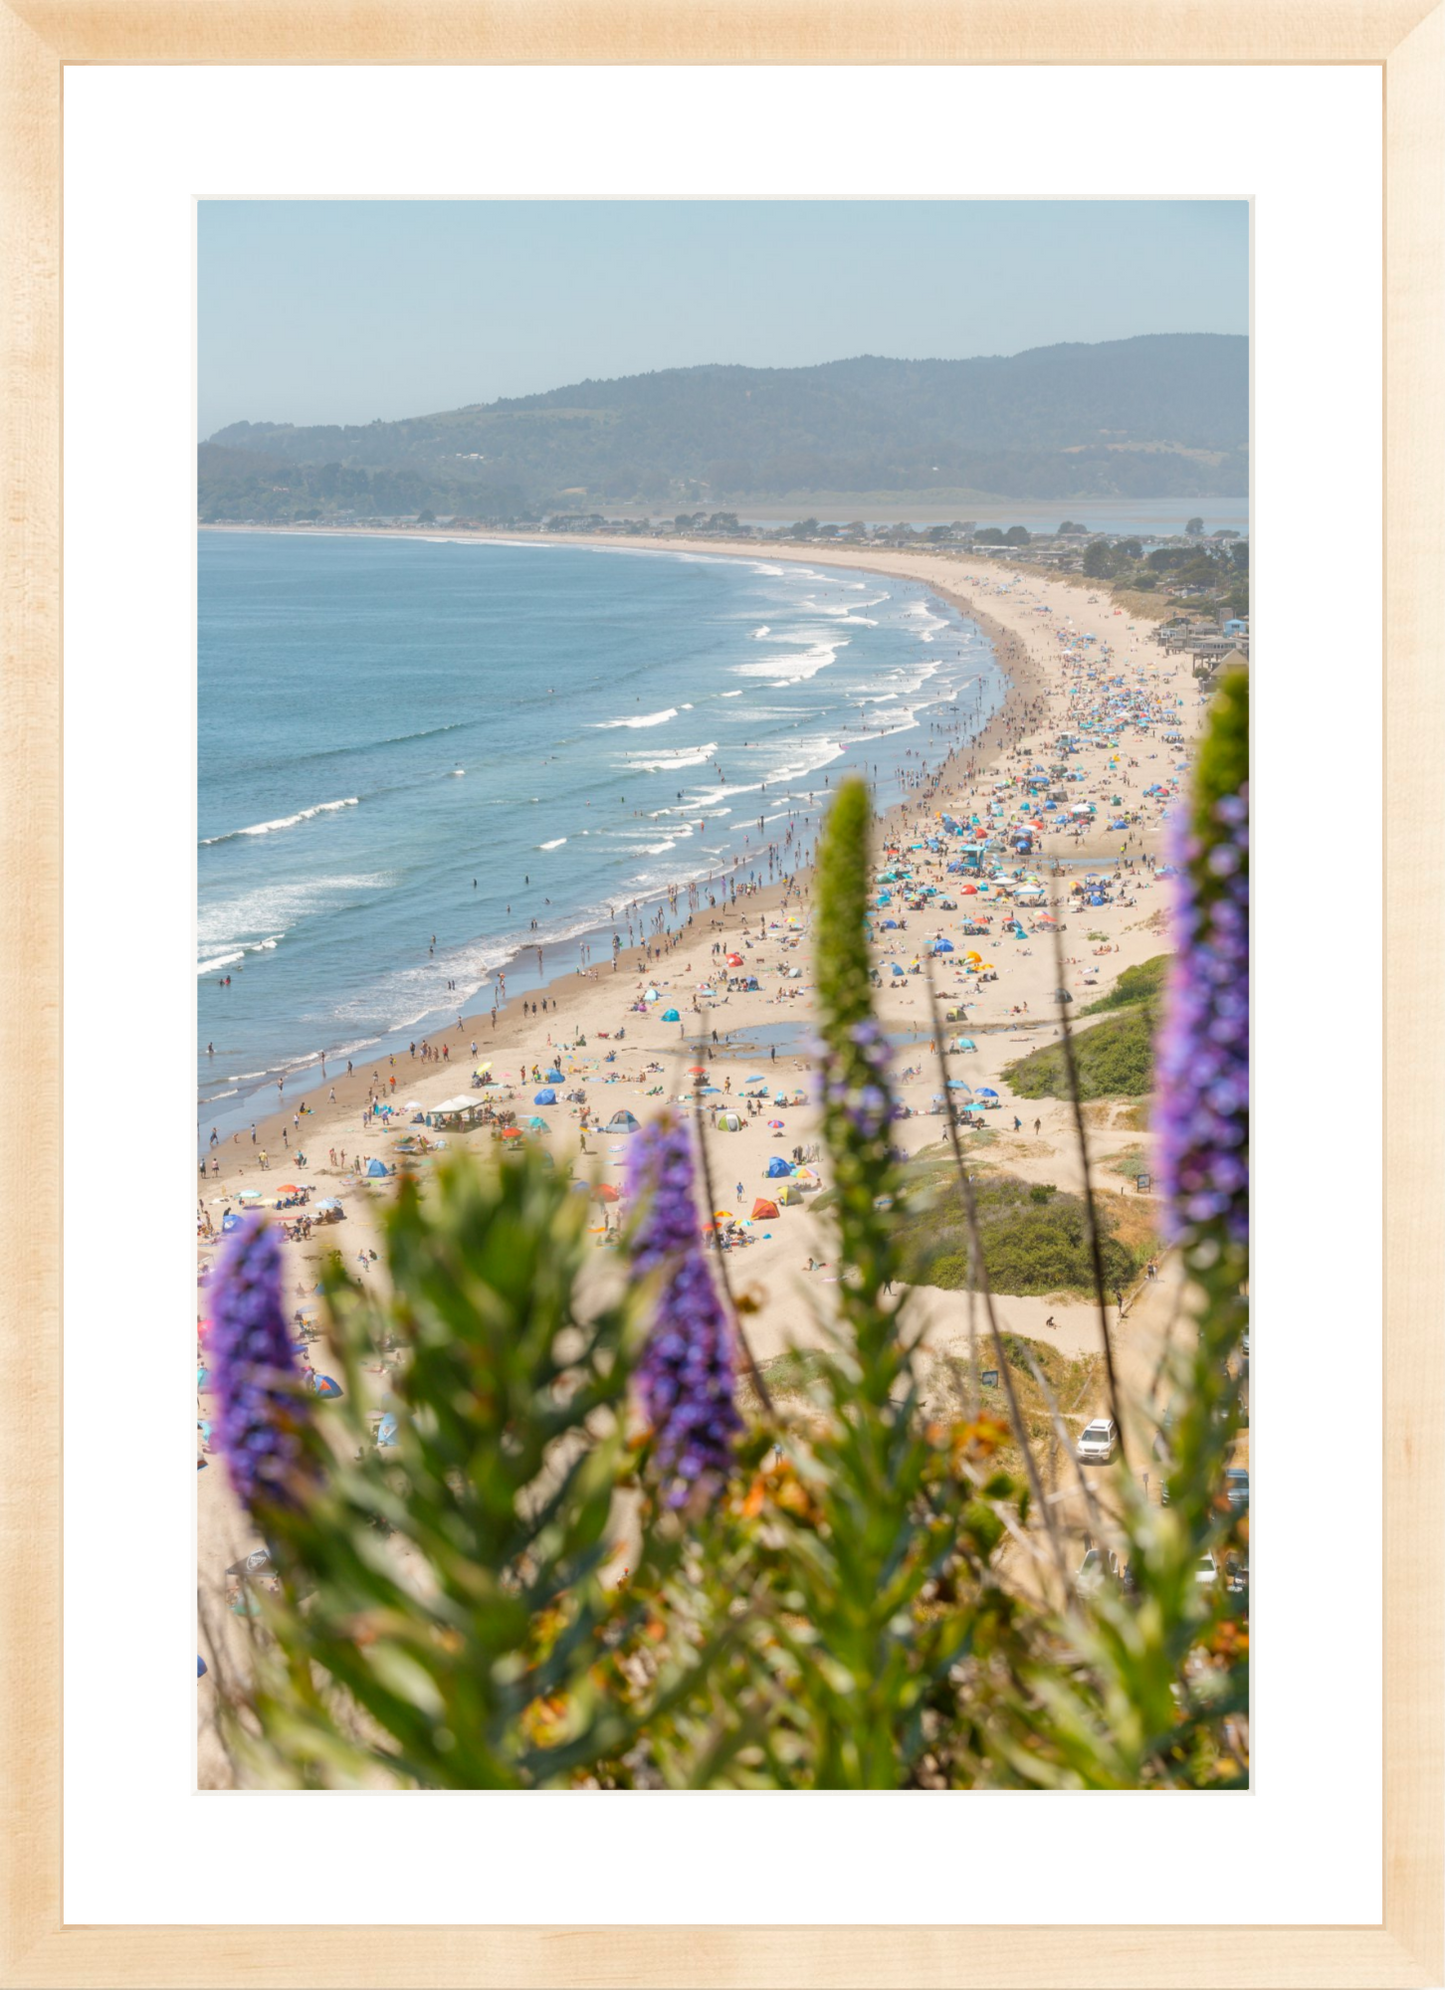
(764, 1211)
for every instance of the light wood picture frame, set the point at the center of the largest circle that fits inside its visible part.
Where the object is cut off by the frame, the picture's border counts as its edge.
(39, 40)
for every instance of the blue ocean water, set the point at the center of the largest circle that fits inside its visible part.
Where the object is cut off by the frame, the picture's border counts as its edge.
(421, 760)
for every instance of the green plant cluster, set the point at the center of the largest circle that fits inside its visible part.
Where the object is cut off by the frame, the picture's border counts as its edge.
(1035, 1238)
(1142, 983)
(1115, 1060)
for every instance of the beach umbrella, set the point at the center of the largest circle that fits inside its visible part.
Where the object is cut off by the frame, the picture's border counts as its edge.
(696, 1071)
(987, 1092)
(511, 1133)
(386, 1429)
(735, 960)
(775, 1126)
(722, 1216)
(288, 1188)
(200, 1666)
(536, 1124)
(325, 1386)
(605, 1192)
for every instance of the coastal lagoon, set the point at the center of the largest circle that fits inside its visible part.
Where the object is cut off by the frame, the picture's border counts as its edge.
(422, 759)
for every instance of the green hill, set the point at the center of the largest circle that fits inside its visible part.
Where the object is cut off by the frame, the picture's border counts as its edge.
(1161, 416)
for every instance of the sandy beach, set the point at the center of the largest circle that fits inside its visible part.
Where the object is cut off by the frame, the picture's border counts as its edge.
(1039, 628)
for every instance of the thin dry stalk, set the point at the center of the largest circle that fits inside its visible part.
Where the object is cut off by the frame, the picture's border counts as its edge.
(754, 1372)
(1096, 1254)
(980, 1267)
(1063, 1437)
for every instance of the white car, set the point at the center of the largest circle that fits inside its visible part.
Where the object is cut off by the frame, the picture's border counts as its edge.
(1207, 1570)
(1097, 1441)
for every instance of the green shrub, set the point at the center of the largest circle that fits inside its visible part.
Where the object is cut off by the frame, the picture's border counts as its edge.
(1035, 1238)
(1115, 1059)
(1144, 983)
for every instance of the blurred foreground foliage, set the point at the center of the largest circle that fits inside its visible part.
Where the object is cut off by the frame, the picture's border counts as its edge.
(874, 1598)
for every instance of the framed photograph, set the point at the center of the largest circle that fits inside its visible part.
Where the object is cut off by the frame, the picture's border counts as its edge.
(724, 834)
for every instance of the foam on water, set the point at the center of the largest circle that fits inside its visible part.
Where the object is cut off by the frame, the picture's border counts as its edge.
(683, 756)
(644, 719)
(284, 821)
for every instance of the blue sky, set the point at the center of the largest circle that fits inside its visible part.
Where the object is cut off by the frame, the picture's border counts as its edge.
(350, 311)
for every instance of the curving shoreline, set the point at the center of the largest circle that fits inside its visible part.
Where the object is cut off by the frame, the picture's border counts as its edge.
(899, 764)
(569, 995)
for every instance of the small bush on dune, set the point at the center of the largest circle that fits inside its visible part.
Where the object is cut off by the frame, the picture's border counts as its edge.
(1115, 1059)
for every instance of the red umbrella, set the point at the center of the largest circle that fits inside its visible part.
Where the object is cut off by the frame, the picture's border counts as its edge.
(604, 1192)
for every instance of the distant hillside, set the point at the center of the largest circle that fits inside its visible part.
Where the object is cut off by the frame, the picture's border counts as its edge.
(1163, 416)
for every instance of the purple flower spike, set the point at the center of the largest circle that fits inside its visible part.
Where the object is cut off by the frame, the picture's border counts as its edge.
(254, 1373)
(686, 1372)
(1202, 1117)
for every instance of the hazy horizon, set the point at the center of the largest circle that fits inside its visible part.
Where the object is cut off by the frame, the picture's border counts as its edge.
(314, 312)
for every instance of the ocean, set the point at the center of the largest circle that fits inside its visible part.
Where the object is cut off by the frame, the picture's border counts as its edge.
(420, 761)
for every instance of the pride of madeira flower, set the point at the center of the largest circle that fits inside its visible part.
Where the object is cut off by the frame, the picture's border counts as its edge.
(254, 1373)
(685, 1375)
(1202, 1116)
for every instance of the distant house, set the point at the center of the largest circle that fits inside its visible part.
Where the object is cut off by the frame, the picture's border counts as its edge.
(1209, 661)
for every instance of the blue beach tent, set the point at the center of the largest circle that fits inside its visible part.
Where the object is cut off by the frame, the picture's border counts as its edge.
(546, 1097)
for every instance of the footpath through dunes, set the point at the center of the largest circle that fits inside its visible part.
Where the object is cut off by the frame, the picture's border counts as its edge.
(738, 1034)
